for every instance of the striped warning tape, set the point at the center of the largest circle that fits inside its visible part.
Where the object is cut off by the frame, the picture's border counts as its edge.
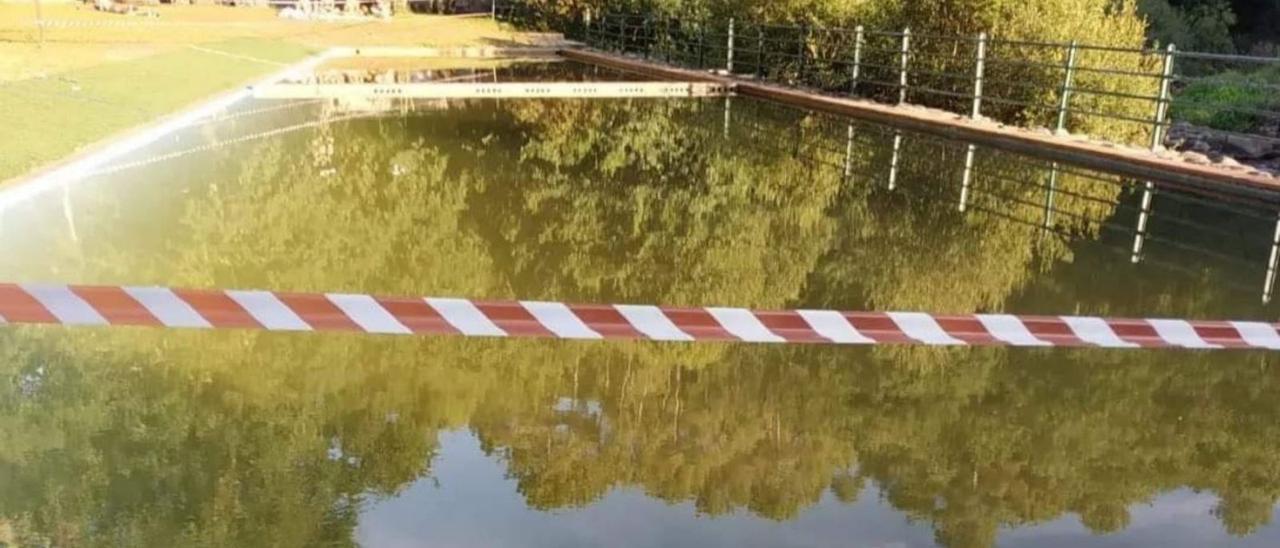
(187, 308)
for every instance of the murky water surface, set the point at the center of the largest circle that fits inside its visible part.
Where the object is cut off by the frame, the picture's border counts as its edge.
(138, 437)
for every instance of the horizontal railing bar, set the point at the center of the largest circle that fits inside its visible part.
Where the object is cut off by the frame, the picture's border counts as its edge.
(1226, 57)
(916, 72)
(1119, 49)
(1000, 41)
(1200, 199)
(1118, 205)
(1089, 91)
(955, 38)
(1220, 106)
(1019, 103)
(776, 55)
(977, 188)
(1216, 81)
(1021, 63)
(894, 85)
(1119, 72)
(1122, 117)
(1039, 167)
(944, 93)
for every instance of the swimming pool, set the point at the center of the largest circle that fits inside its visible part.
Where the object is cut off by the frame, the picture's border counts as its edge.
(144, 437)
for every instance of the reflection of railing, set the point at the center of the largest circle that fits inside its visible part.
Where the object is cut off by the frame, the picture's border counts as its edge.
(1126, 94)
(1186, 228)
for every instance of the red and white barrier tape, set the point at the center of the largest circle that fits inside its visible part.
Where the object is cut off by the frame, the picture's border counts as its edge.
(207, 309)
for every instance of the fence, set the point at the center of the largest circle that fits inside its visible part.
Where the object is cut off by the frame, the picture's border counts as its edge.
(1126, 95)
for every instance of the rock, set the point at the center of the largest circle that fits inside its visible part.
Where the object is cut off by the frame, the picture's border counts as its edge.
(1247, 148)
(1196, 158)
(1227, 161)
(1200, 146)
(1271, 128)
(1254, 150)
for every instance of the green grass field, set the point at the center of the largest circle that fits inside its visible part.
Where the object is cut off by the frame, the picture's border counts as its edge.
(48, 118)
(99, 74)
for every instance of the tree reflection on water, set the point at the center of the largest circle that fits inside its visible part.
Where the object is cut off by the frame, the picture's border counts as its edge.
(139, 437)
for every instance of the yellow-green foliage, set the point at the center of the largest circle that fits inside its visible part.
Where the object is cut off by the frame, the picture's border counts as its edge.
(1105, 23)
(1023, 81)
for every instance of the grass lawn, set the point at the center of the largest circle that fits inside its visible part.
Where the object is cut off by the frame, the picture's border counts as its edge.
(98, 74)
(1234, 100)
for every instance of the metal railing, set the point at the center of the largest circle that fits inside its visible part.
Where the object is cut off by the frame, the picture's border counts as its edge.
(1128, 95)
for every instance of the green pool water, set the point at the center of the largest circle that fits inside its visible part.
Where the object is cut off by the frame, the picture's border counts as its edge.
(141, 437)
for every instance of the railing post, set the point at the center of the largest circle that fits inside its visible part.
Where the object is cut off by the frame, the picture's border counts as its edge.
(857, 59)
(978, 69)
(648, 39)
(853, 89)
(602, 36)
(1064, 107)
(620, 40)
(667, 40)
(1162, 102)
(1068, 81)
(760, 58)
(728, 55)
(702, 44)
(902, 74)
(602, 32)
(804, 51)
(966, 178)
(620, 36)
(1157, 140)
(628, 35)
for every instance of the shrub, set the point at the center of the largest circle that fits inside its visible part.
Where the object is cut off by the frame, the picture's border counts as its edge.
(1030, 74)
(1200, 26)
(1024, 90)
(1231, 101)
